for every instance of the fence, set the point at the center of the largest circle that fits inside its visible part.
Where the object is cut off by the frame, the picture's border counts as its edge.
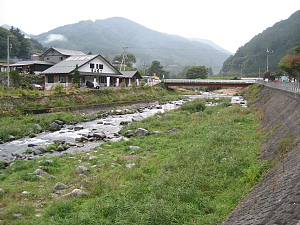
(287, 86)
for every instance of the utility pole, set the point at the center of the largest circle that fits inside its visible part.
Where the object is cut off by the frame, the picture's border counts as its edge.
(268, 51)
(123, 63)
(8, 49)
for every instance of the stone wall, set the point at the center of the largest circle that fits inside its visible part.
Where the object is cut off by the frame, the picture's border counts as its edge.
(276, 198)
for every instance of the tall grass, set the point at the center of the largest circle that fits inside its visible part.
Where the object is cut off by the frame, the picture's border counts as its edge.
(195, 175)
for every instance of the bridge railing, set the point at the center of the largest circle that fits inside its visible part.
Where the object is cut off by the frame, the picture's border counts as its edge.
(210, 81)
(287, 86)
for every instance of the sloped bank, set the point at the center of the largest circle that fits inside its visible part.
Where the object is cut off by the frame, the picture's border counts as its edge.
(276, 198)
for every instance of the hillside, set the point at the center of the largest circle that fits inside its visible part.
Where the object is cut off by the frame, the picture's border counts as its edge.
(280, 39)
(109, 36)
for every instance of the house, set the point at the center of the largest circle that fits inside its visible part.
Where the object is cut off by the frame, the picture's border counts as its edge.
(93, 68)
(31, 67)
(130, 78)
(57, 55)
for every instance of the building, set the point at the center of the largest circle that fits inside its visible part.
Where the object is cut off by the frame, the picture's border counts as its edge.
(31, 67)
(93, 68)
(57, 55)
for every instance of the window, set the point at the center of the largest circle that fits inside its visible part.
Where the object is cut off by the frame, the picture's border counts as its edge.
(50, 79)
(102, 79)
(62, 79)
(61, 58)
(100, 66)
(92, 65)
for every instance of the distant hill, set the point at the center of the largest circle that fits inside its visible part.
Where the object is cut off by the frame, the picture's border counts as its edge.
(108, 37)
(211, 43)
(280, 40)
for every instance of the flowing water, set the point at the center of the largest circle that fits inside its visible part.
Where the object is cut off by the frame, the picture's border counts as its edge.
(110, 125)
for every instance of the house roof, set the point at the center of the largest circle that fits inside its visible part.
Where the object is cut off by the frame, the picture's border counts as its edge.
(35, 62)
(130, 74)
(64, 51)
(68, 65)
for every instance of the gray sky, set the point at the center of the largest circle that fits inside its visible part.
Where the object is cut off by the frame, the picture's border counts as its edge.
(228, 23)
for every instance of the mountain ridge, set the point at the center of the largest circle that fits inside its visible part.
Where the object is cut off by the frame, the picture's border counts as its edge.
(108, 37)
(280, 40)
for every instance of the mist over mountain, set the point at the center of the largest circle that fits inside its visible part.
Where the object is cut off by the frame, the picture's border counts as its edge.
(108, 37)
(279, 40)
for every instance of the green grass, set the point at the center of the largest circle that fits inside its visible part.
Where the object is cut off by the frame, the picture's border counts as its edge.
(196, 175)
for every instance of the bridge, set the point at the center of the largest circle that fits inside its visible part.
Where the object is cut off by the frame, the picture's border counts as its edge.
(208, 82)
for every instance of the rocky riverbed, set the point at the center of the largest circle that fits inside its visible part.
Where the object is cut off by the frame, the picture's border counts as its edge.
(62, 138)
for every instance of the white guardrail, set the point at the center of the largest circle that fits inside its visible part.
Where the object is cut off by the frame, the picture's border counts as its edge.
(287, 86)
(195, 81)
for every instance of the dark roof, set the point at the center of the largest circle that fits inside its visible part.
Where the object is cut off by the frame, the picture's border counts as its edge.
(130, 74)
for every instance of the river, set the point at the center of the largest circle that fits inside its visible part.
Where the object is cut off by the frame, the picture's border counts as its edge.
(110, 126)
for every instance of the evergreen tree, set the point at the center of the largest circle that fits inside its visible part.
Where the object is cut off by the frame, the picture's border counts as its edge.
(76, 77)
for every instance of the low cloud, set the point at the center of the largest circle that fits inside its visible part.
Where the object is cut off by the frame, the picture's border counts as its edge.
(55, 37)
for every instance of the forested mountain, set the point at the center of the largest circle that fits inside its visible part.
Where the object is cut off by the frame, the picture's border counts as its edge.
(280, 40)
(21, 46)
(108, 37)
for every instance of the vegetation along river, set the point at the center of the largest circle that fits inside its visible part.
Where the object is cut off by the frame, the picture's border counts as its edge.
(80, 136)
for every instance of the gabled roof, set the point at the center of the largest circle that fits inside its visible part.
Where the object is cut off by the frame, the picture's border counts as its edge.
(68, 65)
(130, 74)
(35, 62)
(64, 51)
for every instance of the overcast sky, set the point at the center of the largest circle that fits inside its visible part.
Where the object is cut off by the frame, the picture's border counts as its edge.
(228, 23)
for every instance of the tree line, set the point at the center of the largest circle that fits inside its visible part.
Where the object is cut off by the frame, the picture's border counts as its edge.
(20, 46)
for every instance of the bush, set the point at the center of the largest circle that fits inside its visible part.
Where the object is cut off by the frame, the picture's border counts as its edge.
(58, 88)
(198, 105)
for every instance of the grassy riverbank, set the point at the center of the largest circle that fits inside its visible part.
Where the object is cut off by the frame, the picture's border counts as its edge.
(195, 175)
(13, 121)
(15, 102)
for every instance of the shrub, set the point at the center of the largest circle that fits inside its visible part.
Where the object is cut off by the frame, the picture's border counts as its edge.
(58, 88)
(198, 105)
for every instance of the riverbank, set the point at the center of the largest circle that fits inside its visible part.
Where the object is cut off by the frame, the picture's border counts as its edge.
(186, 168)
(275, 199)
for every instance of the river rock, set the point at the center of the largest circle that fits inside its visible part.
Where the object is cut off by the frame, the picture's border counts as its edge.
(125, 122)
(173, 130)
(81, 170)
(17, 215)
(81, 139)
(78, 127)
(42, 172)
(11, 137)
(74, 193)
(59, 122)
(59, 186)
(60, 148)
(141, 132)
(134, 147)
(99, 135)
(137, 118)
(38, 127)
(54, 126)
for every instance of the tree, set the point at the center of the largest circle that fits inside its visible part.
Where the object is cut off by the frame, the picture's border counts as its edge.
(197, 72)
(157, 69)
(291, 65)
(129, 60)
(76, 77)
(16, 78)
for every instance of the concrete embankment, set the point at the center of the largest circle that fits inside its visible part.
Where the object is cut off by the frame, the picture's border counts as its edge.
(276, 198)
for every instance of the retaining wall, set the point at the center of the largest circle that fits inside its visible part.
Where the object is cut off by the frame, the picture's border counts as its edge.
(276, 198)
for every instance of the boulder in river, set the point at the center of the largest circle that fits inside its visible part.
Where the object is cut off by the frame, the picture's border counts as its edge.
(54, 126)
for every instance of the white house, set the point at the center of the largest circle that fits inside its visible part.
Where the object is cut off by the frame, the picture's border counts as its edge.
(92, 68)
